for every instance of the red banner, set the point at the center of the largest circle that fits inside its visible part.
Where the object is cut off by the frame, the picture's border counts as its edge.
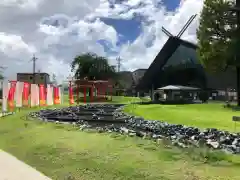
(25, 96)
(11, 94)
(84, 94)
(71, 99)
(42, 95)
(91, 94)
(77, 93)
(56, 95)
(99, 90)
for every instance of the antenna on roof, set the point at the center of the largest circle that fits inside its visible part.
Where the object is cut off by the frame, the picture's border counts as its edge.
(182, 30)
(34, 59)
(118, 64)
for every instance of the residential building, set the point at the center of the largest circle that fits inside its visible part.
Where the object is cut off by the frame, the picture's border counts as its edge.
(40, 78)
(137, 75)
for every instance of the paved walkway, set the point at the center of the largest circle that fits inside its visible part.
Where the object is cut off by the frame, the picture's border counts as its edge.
(13, 169)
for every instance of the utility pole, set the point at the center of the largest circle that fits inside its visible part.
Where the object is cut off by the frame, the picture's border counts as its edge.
(237, 54)
(119, 64)
(236, 9)
(34, 59)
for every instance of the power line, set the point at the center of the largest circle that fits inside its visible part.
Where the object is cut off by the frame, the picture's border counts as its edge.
(119, 64)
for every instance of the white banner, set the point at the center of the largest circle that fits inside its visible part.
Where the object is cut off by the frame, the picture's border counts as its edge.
(34, 95)
(5, 90)
(49, 95)
(37, 95)
(18, 94)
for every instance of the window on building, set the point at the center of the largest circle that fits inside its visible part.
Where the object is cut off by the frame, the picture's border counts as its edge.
(183, 55)
(183, 68)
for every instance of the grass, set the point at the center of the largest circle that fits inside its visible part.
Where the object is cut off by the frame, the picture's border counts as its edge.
(211, 115)
(63, 152)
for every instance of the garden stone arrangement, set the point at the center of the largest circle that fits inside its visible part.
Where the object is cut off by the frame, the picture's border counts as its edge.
(110, 118)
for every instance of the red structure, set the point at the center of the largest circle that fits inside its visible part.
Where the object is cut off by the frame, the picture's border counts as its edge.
(97, 90)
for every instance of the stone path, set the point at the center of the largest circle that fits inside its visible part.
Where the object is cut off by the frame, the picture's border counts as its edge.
(13, 169)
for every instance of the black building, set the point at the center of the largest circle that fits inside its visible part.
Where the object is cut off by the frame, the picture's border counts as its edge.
(177, 64)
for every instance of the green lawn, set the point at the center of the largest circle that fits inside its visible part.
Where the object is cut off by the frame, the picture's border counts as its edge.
(63, 152)
(211, 115)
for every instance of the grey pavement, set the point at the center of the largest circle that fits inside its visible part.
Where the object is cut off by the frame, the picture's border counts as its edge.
(13, 169)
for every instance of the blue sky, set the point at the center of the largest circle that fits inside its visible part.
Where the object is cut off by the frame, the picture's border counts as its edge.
(129, 30)
(55, 33)
(171, 5)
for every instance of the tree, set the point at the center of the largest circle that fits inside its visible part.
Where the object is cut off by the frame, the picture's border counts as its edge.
(217, 37)
(1, 75)
(54, 79)
(92, 67)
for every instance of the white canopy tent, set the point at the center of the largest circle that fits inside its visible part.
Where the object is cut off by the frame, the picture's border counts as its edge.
(176, 87)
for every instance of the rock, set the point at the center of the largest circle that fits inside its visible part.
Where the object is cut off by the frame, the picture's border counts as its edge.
(140, 134)
(182, 145)
(82, 127)
(124, 130)
(213, 144)
(132, 134)
(180, 135)
(147, 136)
(236, 142)
(100, 130)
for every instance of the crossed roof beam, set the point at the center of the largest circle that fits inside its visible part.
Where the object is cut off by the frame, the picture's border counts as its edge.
(182, 30)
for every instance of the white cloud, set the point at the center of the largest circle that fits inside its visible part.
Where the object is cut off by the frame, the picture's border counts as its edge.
(58, 30)
(13, 45)
(25, 4)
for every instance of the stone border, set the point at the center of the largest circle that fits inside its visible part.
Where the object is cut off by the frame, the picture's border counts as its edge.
(178, 134)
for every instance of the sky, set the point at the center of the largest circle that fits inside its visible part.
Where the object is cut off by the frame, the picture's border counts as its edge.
(58, 30)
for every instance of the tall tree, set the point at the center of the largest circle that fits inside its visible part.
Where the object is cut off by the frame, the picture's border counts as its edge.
(218, 37)
(54, 79)
(1, 75)
(91, 66)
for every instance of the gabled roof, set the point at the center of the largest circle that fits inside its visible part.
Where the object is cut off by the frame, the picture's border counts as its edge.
(165, 53)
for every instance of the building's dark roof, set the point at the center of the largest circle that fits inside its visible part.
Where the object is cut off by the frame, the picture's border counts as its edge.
(27, 74)
(165, 53)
